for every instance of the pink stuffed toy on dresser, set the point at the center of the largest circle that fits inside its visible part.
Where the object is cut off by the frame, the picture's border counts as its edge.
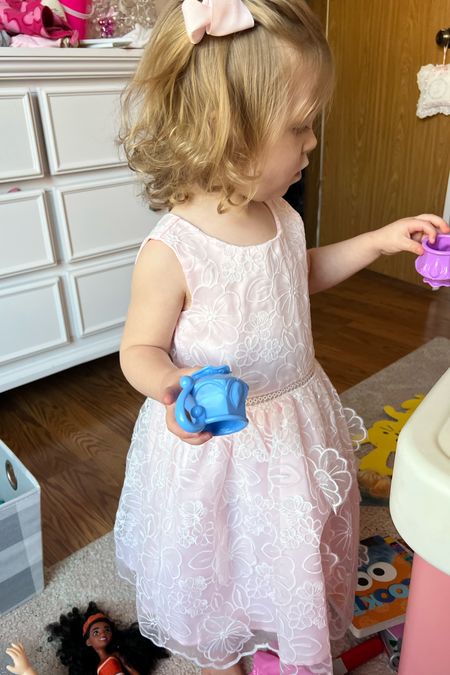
(29, 17)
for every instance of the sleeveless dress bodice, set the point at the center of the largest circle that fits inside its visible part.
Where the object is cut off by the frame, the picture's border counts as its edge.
(249, 539)
(249, 304)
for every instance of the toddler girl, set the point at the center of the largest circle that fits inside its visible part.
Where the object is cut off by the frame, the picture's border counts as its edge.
(246, 541)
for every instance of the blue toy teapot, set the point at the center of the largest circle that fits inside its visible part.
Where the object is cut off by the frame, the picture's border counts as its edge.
(213, 400)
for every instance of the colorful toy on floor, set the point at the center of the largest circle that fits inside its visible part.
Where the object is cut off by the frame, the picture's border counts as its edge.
(213, 400)
(382, 585)
(392, 640)
(434, 264)
(375, 468)
(358, 655)
(90, 643)
(267, 663)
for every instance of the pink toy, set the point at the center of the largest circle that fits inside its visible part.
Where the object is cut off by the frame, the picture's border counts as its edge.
(425, 645)
(267, 663)
(78, 12)
(420, 508)
(434, 264)
(31, 18)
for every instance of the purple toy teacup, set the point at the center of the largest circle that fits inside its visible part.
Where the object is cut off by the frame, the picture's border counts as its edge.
(434, 264)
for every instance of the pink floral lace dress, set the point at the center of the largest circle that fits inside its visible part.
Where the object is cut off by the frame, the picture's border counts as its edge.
(250, 539)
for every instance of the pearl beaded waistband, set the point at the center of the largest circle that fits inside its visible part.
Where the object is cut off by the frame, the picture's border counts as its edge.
(272, 395)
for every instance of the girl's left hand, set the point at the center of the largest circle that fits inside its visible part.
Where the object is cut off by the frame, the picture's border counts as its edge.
(406, 234)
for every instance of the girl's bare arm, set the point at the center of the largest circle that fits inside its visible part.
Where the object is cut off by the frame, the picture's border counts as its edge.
(158, 294)
(329, 265)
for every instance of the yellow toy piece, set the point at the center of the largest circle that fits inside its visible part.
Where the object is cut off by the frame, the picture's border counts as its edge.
(383, 436)
(374, 486)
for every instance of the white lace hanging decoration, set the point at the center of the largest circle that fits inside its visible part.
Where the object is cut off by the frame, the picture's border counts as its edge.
(434, 83)
(434, 86)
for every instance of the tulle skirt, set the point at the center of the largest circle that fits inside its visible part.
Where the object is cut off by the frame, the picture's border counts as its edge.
(249, 540)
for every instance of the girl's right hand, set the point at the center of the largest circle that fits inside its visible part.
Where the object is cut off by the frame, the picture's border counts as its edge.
(170, 395)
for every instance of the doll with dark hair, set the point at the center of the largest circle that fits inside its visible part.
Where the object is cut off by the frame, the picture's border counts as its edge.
(90, 643)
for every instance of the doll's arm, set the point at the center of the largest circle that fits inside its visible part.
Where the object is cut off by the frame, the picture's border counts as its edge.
(329, 265)
(131, 671)
(21, 664)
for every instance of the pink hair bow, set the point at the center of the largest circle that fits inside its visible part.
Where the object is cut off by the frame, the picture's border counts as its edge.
(215, 17)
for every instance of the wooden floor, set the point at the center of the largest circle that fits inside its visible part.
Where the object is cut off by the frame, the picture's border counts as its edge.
(72, 429)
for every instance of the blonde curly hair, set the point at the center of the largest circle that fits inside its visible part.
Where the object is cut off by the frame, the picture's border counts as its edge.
(201, 116)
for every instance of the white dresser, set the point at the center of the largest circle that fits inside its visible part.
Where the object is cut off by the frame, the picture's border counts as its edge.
(71, 218)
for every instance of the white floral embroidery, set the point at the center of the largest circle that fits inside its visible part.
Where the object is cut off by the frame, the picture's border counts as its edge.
(227, 633)
(324, 668)
(261, 584)
(363, 555)
(213, 319)
(271, 350)
(189, 599)
(257, 518)
(191, 513)
(290, 297)
(194, 529)
(342, 532)
(237, 268)
(259, 323)
(248, 351)
(248, 444)
(332, 474)
(300, 527)
(311, 593)
(356, 428)
(279, 574)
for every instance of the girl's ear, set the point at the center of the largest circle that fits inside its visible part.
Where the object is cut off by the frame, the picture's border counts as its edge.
(88, 643)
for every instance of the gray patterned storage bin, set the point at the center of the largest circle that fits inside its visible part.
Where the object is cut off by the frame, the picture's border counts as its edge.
(21, 563)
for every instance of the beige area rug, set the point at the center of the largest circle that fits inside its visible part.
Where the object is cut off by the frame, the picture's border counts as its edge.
(90, 573)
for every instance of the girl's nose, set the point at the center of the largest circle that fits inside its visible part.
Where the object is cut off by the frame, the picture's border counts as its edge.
(311, 141)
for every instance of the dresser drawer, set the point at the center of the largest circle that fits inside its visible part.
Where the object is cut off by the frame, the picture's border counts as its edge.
(101, 217)
(19, 151)
(32, 319)
(25, 235)
(100, 295)
(81, 127)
